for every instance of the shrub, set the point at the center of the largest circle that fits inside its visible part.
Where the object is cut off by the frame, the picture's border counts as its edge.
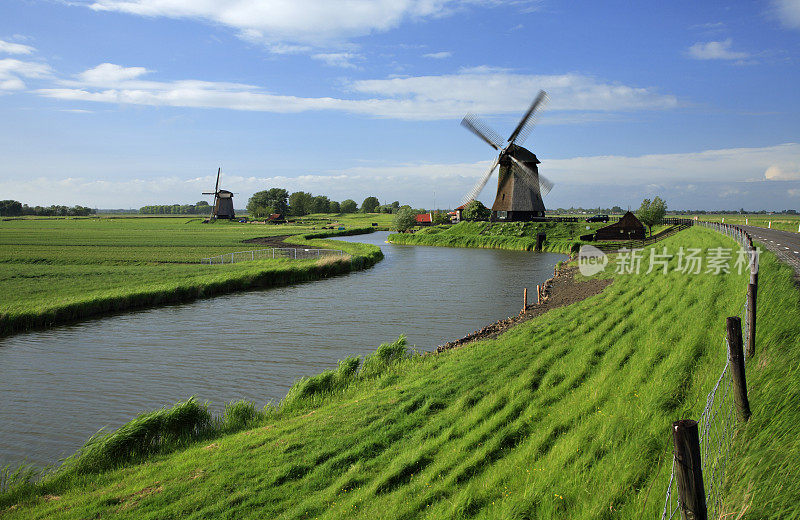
(404, 219)
(475, 210)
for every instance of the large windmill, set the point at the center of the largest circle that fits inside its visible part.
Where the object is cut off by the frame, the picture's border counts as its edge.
(519, 186)
(223, 201)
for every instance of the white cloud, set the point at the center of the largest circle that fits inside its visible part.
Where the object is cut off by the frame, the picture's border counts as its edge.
(337, 59)
(109, 74)
(699, 177)
(486, 91)
(13, 71)
(414, 98)
(15, 48)
(725, 165)
(787, 12)
(304, 22)
(438, 55)
(716, 51)
(776, 173)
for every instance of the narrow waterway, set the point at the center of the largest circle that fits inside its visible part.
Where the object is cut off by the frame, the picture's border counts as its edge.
(59, 386)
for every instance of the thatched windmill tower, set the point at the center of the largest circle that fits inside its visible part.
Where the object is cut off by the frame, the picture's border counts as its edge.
(519, 186)
(223, 201)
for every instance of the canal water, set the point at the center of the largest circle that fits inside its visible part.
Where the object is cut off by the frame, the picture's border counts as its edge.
(59, 386)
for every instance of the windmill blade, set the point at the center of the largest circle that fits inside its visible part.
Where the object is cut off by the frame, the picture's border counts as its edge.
(532, 179)
(209, 193)
(218, 172)
(475, 191)
(527, 122)
(482, 130)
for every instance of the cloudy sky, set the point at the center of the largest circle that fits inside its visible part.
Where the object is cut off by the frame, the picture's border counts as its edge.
(121, 103)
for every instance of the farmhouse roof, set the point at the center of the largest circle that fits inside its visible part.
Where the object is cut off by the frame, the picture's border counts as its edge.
(424, 217)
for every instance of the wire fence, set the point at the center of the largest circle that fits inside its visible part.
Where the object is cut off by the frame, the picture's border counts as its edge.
(717, 423)
(275, 252)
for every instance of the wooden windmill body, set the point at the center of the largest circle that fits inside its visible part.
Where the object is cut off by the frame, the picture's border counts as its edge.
(520, 187)
(517, 200)
(223, 202)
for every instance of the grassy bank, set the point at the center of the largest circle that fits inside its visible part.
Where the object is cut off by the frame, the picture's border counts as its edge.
(783, 222)
(565, 416)
(62, 270)
(562, 237)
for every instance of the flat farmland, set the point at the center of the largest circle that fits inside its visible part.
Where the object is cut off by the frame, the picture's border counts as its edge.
(60, 270)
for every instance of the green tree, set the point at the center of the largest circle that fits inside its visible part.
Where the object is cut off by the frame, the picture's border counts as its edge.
(370, 205)
(300, 203)
(335, 207)
(10, 208)
(441, 217)
(475, 210)
(320, 204)
(273, 200)
(652, 212)
(349, 206)
(405, 219)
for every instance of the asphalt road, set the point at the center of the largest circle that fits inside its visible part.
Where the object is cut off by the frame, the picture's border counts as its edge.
(785, 244)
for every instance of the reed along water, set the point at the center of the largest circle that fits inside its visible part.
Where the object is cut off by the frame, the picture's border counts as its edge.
(60, 386)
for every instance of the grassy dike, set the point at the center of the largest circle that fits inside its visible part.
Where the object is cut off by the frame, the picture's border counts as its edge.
(119, 267)
(564, 416)
(562, 237)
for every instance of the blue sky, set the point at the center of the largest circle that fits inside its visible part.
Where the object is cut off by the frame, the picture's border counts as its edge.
(121, 103)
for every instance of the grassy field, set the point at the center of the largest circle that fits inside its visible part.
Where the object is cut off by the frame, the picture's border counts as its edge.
(565, 416)
(562, 237)
(66, 269)
(782, 222)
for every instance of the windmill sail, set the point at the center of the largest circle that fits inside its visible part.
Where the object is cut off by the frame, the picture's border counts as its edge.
(520, 187)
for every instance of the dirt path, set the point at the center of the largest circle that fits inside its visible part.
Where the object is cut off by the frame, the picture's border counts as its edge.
(562, 290)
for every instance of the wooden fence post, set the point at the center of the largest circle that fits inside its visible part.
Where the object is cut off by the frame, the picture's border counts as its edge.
(736, 357)
(525, 299)
(688, 470)
(538, 294)
(752, 292)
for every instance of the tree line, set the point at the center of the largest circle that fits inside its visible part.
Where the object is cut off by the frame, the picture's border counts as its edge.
(14, 208)
(300, 203)
(198, 208)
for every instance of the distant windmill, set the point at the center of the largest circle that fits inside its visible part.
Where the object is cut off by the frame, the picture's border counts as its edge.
(519, 186)
(223, 201)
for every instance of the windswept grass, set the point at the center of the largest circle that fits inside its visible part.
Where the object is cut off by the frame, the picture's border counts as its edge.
(562, 237)
(565, 416)
(70, 269)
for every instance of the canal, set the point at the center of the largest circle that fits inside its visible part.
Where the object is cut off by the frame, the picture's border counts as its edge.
(59, 386)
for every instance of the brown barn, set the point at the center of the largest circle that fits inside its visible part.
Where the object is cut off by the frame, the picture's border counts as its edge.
(626, 228)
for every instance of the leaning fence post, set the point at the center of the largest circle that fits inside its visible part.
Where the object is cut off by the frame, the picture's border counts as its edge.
(752, 291)
(688, 470)
(524, 299)
(736, 357)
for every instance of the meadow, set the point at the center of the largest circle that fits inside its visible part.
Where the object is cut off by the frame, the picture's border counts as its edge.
(61, 270)
(562, 237)
(783, 222)
(565, 416)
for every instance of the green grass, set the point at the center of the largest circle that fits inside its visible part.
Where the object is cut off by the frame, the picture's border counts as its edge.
(782, 222)
(61, 270)
(562, 237)
(565, 416)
